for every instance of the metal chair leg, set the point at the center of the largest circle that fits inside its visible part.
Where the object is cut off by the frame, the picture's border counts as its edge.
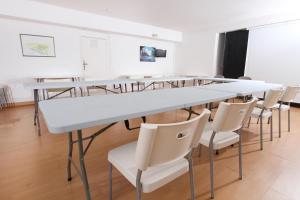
(138, 185)
(279, 123)
(192, 185)
(271, 128)
(200, 150)
(249, 122)
(261, 133)
(110, 181)
(289, 120)
(240, 156)
(211, 159)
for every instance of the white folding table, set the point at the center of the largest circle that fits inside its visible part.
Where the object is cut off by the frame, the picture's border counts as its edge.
(169, 80)
(74, 114)
(37, 86)
(221, 80)
(243, 88)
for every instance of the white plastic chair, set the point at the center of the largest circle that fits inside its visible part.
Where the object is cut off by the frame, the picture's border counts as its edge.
(284, 104)
(225, 131)
(161, 154)
(288, 96)
(265, 110)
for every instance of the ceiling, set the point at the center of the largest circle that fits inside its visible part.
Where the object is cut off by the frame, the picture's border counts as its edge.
(182, 15)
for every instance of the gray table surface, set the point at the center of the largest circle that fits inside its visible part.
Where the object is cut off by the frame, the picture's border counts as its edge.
(55, 85)
(164, 79)
(243, 88)
(224, 80)
(64, 115)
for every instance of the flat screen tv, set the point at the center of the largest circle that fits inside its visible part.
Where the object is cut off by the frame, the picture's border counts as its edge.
(147, 54)
(160, 53)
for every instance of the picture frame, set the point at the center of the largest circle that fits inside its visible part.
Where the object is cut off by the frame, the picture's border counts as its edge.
(37, 45)
(147, 54)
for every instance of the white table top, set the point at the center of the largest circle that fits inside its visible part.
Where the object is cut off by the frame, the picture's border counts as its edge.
(164, 79)
(65, 76)
(225, 80)
(64, 115)
(243, 88)
(55, 85)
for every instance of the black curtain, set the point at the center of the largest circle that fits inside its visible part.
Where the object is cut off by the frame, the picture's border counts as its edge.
(235, 53)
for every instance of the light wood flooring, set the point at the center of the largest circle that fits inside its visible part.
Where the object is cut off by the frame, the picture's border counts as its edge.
(33, 167)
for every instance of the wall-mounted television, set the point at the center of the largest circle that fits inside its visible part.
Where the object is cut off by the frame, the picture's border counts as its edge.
(147, 54)
(160, 53)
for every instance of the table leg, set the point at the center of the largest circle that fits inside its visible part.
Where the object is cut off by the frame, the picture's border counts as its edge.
(82, 166)
(125, 88)
(70, 152)
(36, 111)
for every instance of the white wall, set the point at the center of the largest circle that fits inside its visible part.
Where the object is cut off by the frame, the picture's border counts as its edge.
(273, 53)
(45, 13)
(125, 58)
(124, 54)
(195, 54)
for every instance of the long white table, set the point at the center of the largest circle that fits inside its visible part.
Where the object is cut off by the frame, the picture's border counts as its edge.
(74, 114)
(63, 115)
(75, 84)
(67, 86)
(243, 88)
(170, 80)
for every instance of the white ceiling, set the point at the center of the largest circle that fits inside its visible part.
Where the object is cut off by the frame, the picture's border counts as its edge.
(182, 15)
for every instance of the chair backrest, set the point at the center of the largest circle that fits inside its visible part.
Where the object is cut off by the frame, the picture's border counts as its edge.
(289, 93)
(245, 78)
(252, 105)
(272, 98)
(163, 143)
(230, 116)
(218, 76)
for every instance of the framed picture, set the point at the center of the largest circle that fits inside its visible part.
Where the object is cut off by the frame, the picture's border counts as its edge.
(147, 54)
(37, 45)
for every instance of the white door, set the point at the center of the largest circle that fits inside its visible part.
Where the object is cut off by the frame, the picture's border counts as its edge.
(94, 55)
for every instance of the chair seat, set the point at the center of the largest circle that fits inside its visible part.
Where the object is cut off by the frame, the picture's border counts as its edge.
(123, 158)
(283, 107)
(259, 104)
(256, 113)
(221, 139)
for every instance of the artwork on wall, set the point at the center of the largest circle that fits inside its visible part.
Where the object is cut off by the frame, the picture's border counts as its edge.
(160, 53)
(37, 45)
(147, 54)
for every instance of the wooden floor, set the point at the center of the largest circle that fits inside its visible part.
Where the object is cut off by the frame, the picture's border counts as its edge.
(33, 167)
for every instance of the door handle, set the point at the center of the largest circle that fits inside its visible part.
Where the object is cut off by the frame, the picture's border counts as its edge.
(84, 64)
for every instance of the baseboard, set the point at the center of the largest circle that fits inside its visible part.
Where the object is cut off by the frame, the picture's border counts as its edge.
(26, 103)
